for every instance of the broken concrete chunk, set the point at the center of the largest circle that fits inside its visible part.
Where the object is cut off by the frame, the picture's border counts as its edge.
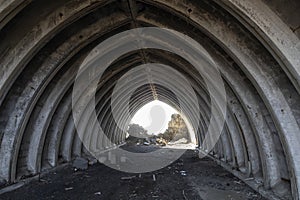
(80, 163)
(93, 161)
(69, 188)
(154, 177)
(128, 178)
(2, 182)
(183, 173)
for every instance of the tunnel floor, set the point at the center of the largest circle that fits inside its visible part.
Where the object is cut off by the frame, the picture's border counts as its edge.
(188, 178)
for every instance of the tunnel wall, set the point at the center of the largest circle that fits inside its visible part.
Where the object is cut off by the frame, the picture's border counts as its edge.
(254, 44)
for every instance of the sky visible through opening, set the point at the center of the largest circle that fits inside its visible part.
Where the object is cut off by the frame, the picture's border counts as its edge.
(154, 117)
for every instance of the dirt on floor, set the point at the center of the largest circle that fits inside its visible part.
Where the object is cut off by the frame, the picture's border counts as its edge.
(189, 178)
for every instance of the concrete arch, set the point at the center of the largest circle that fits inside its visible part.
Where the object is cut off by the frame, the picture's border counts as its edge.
(254, 47)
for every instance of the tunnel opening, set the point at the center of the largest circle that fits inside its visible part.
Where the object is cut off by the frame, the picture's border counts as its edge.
(159, 124)
(154, 117)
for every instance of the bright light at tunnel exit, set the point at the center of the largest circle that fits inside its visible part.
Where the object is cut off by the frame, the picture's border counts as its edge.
(149, 113)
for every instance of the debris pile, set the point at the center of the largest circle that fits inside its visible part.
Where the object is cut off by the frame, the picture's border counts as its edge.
(177, 133)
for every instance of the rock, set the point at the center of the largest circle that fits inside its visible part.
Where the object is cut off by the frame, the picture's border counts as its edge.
(183, 173)
(177, 130)
(80, 163)
(154, 177)
(2, 182)
(69, 188)
(93, 161)
(180, 141)
(128, 178)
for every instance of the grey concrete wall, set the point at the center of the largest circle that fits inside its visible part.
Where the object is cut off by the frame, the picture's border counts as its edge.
(255, 45)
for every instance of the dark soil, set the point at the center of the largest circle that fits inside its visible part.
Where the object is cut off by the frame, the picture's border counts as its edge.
(203, 179)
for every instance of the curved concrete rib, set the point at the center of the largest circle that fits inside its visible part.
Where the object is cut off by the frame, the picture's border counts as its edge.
(255, 51)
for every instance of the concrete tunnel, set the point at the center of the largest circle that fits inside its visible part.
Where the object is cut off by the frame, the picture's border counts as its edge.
(254, 44)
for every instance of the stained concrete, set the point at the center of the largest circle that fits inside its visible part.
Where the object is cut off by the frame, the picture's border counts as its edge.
(202, 180)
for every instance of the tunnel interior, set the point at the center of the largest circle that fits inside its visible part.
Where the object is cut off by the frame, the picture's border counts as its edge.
(254, 45)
